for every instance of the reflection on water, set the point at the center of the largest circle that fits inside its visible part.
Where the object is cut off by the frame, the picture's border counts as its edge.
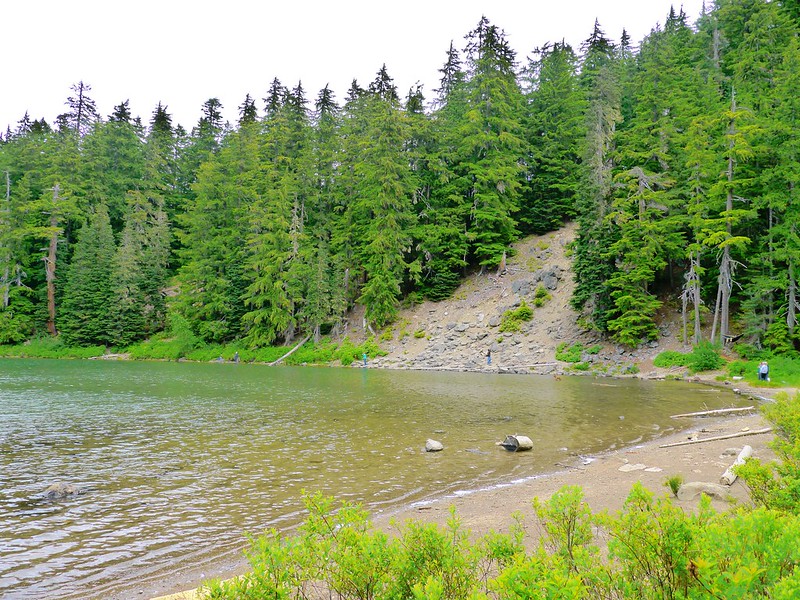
(175, 463)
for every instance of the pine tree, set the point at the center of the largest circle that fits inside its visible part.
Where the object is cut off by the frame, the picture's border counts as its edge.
(86, 309)
(276, 266)
(140, 272)
(213, 231)
(82, 114)
(556, 134)
(381, 188)
(492, 148)
(248, 113)
(592, 264)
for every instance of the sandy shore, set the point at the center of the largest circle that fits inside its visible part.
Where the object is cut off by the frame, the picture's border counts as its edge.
(605, 486)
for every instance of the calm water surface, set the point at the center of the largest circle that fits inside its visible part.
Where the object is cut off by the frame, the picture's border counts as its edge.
(176, 462)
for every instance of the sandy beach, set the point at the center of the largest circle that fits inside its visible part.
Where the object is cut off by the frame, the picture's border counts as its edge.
(606, 482)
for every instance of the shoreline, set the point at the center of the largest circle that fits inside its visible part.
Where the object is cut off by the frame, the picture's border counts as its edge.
(605, 486)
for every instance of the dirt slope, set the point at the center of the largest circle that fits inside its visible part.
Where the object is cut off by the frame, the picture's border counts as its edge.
(457, 333)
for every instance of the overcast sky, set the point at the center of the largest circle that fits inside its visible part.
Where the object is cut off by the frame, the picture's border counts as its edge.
(183, 52)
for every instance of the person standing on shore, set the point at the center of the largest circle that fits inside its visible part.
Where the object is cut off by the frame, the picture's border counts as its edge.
(763, 371)
(489, 357)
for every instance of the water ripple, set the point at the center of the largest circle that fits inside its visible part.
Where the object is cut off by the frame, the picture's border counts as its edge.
(174, 464)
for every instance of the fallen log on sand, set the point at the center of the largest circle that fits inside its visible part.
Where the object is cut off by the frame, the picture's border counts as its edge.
(728, 477)
(715, 413)
(718, 437)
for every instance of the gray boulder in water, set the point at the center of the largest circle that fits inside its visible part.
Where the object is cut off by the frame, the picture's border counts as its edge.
(59, 491)
(433, 446)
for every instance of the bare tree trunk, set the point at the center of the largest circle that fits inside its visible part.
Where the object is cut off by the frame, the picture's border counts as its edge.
(791, 313)
(725, 286)
(50, 267)
(716, 315)
(7, 266)
(725, 266)
(691, 291)
(698, 335)
(684, 320)
(501, 269)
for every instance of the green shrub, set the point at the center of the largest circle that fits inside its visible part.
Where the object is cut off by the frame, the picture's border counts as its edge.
(671, 358)
(674, 483)
(737, 368)
(705, 357)
(512, 319)
(777, 484)
(569, 353)
(541, 296)
(419, 333)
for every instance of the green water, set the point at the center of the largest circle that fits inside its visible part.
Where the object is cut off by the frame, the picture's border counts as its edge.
(176, 462)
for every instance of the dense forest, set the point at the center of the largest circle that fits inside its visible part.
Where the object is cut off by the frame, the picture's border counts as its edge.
(677, 158)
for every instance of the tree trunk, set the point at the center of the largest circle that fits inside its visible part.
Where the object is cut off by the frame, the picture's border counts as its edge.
(698, 335)
(684, 320)
(725, 286)
(725, 266)
(7, 266)
(791, 314)
(716, 315)
(50, 267)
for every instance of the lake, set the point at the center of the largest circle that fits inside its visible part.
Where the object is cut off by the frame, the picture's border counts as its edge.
(176, 463)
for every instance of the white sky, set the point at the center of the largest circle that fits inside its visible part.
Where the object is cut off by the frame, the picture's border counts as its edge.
(183, 52)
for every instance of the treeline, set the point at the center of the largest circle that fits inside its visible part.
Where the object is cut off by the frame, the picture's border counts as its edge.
(678, 159)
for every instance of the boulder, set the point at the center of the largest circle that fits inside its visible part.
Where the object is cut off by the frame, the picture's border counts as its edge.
(693, 489)
(550, 281)
(522, 287)
(59, 491)
(433, 446)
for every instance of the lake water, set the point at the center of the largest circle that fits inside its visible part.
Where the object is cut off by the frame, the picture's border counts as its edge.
(177, 462)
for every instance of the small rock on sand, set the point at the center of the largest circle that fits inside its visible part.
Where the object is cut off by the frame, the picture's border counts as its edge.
(629, 468)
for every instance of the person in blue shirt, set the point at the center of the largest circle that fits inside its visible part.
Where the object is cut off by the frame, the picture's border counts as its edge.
(763, 371)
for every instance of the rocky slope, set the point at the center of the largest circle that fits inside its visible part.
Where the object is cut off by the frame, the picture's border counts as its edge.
(456, 334)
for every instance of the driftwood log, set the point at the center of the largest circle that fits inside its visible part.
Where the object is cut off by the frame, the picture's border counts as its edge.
(516, 443)
(728, 477)
(715, 413)
(718, 437)
(289, 353)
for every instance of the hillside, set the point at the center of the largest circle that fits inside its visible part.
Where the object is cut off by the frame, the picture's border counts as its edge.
(456, 334)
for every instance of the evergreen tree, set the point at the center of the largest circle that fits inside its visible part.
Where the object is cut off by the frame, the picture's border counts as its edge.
(248, 113)
(593, 266)
(140, 272)
(374, 231)
(277, 260)
(82, 114)
(86, 309)
(555, 134)
(492, 148)
(213, 231)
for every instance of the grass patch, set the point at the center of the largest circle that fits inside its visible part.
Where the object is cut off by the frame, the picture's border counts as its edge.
(703, 357)
(541, 296)
(50, 347)
(784, 370)
(512, 319)
(569, 353)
